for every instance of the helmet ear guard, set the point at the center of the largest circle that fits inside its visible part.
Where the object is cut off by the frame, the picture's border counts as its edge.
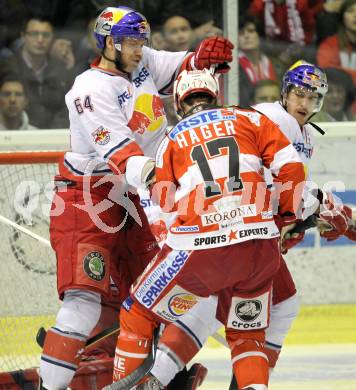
(193, 82)
(304, 75)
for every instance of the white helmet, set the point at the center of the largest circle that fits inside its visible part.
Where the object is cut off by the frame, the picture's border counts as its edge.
(189, 82)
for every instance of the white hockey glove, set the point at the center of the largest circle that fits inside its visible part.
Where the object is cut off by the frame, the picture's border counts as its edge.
(140, 171)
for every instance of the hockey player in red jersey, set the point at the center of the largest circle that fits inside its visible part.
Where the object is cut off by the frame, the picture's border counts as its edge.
(116, 124)
(209, 166)
(304, 87)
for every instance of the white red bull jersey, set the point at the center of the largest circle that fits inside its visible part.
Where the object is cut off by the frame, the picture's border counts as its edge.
(113, 117)
(302, 138)
(209, 172)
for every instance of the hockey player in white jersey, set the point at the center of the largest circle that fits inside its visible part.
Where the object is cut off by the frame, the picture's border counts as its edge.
(116, 122)
(304, 86)
(303, 89)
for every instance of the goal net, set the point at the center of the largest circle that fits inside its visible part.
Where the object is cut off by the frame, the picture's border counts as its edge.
(27, 266)
(323, 273)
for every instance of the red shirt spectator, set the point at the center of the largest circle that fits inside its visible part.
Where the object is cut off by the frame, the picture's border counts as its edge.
(289, 20)
(338, 51)
(253, 63)
(331, 55)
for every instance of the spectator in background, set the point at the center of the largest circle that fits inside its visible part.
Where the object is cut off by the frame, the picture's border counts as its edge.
(13, 101)
(266, 91)
(338, 51)
(45, 78)
(62, 51)
(254, 65)
(339, 99)
(205, 30)
(87, 50)
(178, 33)
(205, 16)
(157, 39)
(327, 20)
(287, 20)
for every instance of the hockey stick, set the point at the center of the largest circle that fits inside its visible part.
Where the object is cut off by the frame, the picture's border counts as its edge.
(137, 375)
(22, 229)
(41, 335)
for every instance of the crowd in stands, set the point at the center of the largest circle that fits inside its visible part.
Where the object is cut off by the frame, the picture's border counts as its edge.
(44, 44)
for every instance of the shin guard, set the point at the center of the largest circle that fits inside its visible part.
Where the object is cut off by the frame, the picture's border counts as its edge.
(250, 363)
(130, 353)
(135, 340)
(60, 358)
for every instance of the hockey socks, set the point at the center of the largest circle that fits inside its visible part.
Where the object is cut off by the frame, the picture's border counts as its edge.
(60, 358)
(249, 361)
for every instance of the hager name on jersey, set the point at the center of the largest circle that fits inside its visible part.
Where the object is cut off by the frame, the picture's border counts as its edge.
(205, 132)
(202, 118)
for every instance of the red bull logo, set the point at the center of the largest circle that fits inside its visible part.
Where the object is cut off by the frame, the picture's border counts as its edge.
(148, 114)
(143, 27)
(107, 16)
(179, 304)
(101, 136)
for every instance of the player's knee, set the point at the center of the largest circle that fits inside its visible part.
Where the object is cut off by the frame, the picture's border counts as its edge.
(284, 313)
(282, 317)
(288, 308)
(80, 312)
(201, 320)
(75, 320)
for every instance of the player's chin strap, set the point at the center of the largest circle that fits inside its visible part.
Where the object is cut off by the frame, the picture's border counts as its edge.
(117, 62)
(317, 128)
(136, 376)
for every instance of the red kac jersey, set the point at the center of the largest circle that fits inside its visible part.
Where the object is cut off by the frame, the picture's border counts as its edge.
(209, 171)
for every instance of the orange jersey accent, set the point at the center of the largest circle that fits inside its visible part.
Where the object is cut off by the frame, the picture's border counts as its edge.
(209, 171)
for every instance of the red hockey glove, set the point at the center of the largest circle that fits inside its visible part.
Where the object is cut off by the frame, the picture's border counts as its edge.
(286, 225)
(285, 221)
(351, 231)
(212, 51)
(335, 216)
(290, 240)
